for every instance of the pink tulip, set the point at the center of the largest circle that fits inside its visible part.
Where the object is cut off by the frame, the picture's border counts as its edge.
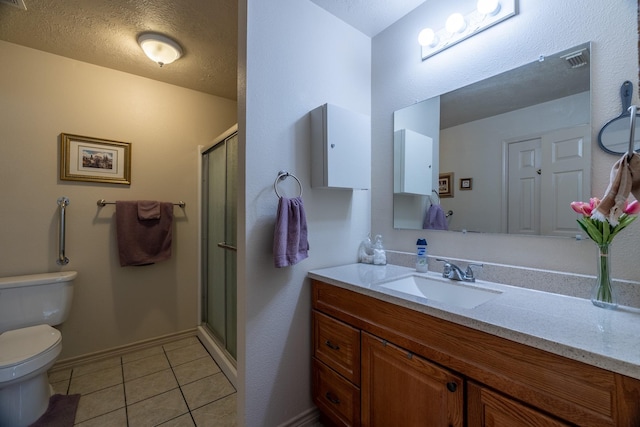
(581, 208)
(632, 208)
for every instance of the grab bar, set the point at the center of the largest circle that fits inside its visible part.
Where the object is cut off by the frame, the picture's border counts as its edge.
(63, 202)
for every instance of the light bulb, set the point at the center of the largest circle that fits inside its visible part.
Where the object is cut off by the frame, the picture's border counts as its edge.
(456, 23)
(488, 7)
(427, 37)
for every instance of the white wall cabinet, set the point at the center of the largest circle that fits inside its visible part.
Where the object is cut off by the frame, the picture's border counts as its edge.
(412, 163)
(340, 148)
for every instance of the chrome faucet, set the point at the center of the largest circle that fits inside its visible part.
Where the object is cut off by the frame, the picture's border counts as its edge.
(453, 272)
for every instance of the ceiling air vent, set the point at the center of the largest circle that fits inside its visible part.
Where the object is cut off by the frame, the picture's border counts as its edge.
(17, 3)
(576, 59)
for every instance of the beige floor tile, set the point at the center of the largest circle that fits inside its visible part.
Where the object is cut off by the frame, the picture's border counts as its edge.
(61, 375)
(117, 418)
(96, 380)
(186, 354)
(141, 354)
(181, 343)
(182, 421)
(146, 366)
(195, 370)
(100, 402)
(156, 410)
(207, 390)
(96, 366)
(149, 385)
(60, 387)
(221, 413)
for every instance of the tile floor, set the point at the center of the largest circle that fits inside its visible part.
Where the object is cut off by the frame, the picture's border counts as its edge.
(172, 385)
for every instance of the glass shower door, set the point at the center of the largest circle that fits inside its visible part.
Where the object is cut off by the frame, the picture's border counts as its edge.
(219, 248)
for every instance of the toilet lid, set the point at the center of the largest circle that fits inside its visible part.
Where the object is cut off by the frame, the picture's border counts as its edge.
(19, 345)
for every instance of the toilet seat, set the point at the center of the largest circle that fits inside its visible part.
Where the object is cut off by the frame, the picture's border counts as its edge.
(25, 350)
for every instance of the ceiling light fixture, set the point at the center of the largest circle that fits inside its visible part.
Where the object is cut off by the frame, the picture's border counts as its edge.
(160, 49)
(459, 27)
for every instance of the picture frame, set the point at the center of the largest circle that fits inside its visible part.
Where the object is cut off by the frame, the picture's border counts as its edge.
(88, 159)
(466, 183)
(445, 184)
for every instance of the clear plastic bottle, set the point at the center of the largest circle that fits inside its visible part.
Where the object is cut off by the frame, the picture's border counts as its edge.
(379, 254)
(422, 265)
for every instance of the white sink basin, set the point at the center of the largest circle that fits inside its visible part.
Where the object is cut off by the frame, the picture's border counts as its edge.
(461, 294)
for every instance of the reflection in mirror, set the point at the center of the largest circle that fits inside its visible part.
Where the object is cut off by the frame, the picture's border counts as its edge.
(522, 137)
(614, 135)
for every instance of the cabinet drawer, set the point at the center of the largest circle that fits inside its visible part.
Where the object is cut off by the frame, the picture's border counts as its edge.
(338, 345)
(490, 409)
(336, 397)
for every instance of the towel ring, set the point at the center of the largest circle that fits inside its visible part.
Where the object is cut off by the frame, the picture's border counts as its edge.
(282, 175)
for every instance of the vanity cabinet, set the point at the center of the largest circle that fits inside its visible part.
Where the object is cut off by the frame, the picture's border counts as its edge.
(400, 388)
(397, 366)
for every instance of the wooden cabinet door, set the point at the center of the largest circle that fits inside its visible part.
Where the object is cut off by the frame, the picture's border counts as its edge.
(402, 389)
(490, 409)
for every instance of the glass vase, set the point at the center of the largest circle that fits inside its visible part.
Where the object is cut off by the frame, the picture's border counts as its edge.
(603, 295)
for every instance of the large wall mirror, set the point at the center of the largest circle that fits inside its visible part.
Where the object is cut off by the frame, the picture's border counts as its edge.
(503, 155)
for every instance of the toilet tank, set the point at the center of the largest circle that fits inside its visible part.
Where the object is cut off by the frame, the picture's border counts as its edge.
(35, 299)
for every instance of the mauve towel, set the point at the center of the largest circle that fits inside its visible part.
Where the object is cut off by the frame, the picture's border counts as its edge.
(142, 242)
(290, 244)
(148, 209)
(435, 219)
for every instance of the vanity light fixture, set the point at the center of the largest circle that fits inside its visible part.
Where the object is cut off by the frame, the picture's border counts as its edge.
(459, 27)
(160, 49)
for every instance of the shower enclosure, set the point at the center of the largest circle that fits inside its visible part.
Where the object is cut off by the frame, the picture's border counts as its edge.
(218, 250)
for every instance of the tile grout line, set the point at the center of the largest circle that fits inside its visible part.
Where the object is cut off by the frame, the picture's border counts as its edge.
(179, 386)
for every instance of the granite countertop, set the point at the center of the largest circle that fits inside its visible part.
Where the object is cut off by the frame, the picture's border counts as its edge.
(563, 325)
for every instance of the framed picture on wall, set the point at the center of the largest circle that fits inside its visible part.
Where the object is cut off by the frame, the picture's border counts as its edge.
(445, 184)
(466, 183)
(89, 159)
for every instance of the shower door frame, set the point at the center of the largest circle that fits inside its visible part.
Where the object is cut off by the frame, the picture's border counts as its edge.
(215, 347)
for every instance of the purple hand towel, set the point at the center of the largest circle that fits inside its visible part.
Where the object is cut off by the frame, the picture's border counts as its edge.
(143, 242)
(148, 209)
(435, 219)
(290, 244)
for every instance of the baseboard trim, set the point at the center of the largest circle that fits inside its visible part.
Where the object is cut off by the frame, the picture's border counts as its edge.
(120, 350)
(308, 418)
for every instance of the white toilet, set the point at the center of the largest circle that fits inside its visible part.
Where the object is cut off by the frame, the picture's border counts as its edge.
(29, 346)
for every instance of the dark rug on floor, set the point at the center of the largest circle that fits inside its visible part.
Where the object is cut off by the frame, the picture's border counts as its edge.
(61, 411)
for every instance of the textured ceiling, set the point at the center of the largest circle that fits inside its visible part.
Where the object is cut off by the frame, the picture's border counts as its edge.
(104, 33)
(369, 16)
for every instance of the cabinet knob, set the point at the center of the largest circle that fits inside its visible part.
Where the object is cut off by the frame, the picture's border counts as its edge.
(451, 386)
(331, 345)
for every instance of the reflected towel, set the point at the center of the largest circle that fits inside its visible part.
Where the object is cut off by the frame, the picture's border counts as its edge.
(148, 209)
(435, 219)
(624, 179)
(290, 244)
(143, 242)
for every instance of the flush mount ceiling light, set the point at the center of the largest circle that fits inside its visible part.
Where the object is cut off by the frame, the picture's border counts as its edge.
(159, 48)
(459, 27)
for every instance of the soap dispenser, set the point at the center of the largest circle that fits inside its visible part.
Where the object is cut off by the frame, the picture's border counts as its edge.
(421, 256)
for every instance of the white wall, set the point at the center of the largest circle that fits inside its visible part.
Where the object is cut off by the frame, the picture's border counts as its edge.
(543, 27)
(43, 95)
(297, 57)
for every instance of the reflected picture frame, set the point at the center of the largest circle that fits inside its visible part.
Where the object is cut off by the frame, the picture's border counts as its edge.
(89, 159)
(466, 183)
(445, 184)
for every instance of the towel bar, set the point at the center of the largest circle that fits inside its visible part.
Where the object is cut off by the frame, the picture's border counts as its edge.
(103, 202)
